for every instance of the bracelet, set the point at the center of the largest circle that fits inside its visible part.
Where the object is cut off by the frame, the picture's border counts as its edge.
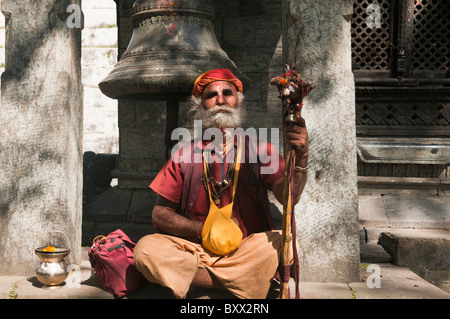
(302, 170)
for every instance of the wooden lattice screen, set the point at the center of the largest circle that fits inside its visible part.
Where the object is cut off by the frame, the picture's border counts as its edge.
(400, 56)
(431, 35)
(371, 41)
(402, 37)
(400, 60)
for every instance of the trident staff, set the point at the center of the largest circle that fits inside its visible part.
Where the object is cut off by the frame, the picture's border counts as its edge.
(292, 89)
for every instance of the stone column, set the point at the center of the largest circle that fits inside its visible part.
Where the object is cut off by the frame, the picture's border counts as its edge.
(317, 35)
(41, 130)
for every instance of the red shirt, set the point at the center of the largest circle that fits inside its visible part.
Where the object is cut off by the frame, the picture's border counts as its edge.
(169, 184)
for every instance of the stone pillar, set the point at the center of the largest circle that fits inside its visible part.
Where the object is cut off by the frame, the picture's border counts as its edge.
(41, 130)
(317, 35)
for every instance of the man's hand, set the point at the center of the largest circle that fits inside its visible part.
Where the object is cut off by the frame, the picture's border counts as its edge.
(165, 218)
(296, 137)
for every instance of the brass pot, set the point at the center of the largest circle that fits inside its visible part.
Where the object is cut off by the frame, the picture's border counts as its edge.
(53, 269)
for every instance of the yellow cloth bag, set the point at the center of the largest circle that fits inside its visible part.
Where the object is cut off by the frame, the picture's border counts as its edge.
(220, 234)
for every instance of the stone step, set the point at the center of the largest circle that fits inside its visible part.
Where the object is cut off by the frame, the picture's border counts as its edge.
(404, 211)
(424, 251)
(412, 229)
(374, 254)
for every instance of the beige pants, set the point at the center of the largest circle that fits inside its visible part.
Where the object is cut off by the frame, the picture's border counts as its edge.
(172, 262)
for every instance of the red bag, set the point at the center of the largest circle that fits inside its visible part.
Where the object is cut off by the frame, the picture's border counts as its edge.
(112, 259)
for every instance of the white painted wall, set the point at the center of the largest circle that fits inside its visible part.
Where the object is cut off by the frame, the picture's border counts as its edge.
(99, 54)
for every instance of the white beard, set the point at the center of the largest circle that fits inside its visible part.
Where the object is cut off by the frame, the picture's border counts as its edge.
(220, 117)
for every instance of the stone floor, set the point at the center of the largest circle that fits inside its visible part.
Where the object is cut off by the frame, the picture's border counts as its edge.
(394, 283)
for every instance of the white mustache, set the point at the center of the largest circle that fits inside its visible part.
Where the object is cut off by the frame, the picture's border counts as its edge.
(220, 116)
(220, 109)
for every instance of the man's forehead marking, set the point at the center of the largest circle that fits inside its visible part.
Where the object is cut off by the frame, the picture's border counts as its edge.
(218, 84)
(221, 85)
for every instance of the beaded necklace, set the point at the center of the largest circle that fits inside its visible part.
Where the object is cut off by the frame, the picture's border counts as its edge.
(218, 188)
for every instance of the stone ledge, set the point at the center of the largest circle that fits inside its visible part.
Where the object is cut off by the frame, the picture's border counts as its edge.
(404, 211)
(424, 251)
(372, 213)
(401, 150)
(372, 185)
(371, 253)
(418, 247)
(396, 283)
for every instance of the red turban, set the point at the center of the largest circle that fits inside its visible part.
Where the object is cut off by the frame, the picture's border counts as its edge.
(212, 76)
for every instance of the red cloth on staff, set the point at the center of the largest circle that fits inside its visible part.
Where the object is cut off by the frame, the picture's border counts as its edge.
(212, 76)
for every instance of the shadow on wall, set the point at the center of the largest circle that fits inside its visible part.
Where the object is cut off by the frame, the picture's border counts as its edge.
(35, 40)
(97, 177)
(249, 32)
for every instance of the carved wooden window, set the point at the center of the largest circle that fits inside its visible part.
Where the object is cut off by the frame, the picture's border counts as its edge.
(430, 49)
(371, 35)
(400, 58)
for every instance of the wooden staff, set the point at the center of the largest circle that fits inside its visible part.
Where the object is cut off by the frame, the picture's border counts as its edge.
(286, 236)
(292, 90)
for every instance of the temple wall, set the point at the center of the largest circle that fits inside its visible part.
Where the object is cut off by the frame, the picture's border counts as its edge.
(41, 132)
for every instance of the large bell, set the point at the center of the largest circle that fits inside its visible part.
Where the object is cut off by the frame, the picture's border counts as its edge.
(173, 42)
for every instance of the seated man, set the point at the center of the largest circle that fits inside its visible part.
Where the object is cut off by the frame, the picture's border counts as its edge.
(177, 258)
